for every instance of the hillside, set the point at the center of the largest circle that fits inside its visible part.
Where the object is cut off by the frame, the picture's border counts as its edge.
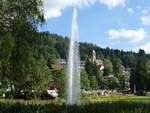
(53, 44)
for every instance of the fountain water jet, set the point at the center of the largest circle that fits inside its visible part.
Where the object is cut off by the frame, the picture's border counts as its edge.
(73, 75)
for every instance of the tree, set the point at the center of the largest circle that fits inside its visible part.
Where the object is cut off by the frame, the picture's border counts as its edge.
(139, 73)
(129, 60)
(108, 67)
(93, 82)
(6, 45)
(94, 74)
(59, 81)
(52, 60)
(147, 81)
(13, 11)
(122, 82)
(88, 67)
(23, 54)
(20, 18)
(132, 80)
(62, 49)
(39, 76)
(113, 83)
(117, 67)
(85, 82)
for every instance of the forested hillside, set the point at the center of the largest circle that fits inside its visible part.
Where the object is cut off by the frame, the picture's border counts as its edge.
(54, 45)
(113, 76)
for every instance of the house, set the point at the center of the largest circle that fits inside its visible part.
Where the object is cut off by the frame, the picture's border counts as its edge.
(108, 76)
(126, 71)
(62, 62)
(99, 92)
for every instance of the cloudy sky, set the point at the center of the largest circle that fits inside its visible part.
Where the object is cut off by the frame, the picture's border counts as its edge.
(118, 24)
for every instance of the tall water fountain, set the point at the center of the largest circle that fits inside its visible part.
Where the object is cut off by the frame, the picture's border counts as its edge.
(73, 75)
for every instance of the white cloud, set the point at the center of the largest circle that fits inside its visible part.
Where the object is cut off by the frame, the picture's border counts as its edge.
(53, 8)
(145, 20)
(113, 3)
(130, 10)
(131, 35)
(144, 11)
(145, 47)
(52, 13)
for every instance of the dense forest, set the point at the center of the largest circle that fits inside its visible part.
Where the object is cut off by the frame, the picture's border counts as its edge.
(58, 46)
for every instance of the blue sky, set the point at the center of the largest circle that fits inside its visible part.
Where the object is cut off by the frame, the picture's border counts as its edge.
(117, 24)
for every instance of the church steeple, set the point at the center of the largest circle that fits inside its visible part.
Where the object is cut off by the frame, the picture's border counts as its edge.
(93, 56)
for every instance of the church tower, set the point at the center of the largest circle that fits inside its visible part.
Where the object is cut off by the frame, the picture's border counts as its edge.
(93, 56)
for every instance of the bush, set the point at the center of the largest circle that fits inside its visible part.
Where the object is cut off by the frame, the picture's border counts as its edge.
(105, 107)
(10, 95)
(26, 95)
(2, 92)
(30, 95)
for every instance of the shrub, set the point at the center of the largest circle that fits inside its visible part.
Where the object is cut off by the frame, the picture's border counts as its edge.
(10, 95)
(2, 92)
(105, 107)
(30, 95)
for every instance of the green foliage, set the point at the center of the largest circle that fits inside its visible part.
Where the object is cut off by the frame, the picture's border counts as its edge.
(85, 82)
(52, 59)
(129, 60)
(94, 74)
(21, 64)
(6, 45)
(117, 67)
(93, 82)
(108, 67)
(139, 73)
(91, 68)
(147, 81)
(103, 107)
(40, 76)
(12, 11)
(122, 82)
(112, 77)
(28, 70)
(59, 81)
(113, 83)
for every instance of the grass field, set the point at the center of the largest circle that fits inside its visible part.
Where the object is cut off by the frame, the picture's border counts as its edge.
(130, 98)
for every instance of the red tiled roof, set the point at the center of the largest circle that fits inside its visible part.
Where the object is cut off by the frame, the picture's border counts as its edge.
(55, 66)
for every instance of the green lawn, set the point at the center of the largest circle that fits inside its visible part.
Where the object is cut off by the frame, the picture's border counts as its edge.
(117, 98)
